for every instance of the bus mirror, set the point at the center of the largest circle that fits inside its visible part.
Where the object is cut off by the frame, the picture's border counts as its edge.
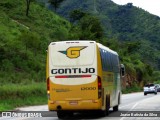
(122, 70)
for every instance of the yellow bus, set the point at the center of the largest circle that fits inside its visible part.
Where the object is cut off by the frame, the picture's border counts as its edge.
(82, 75)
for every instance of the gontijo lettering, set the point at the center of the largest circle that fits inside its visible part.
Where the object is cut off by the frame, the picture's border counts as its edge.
(72, 70)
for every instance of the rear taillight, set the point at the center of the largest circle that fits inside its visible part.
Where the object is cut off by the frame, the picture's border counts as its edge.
(48, 85)
(99, 87)
(48, 88)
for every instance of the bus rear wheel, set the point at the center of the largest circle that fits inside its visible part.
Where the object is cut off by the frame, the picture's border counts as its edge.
(115, 108)
(61, 114)
(106, 111)
(64, 114)
(107, 105)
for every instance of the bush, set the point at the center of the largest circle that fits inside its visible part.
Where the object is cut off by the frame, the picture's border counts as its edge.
(22, 95)
(22, 91)
(134, 88)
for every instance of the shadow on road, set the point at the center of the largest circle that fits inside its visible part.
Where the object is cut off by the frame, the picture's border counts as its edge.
(88, 115)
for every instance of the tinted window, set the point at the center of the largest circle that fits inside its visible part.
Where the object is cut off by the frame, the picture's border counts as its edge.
(109, 61)
(149, 85)
(64, 54)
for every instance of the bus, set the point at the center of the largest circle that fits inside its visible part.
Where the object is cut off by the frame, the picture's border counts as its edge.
(82, 76)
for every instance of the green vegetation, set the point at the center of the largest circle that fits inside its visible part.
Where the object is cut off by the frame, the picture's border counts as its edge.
(131, 31)
(24, 40)
(133, 88)
(156, 77)
(23, 44)
(14, 95)
(124, 23)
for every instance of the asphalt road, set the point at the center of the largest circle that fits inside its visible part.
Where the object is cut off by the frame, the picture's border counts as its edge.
(134, 106)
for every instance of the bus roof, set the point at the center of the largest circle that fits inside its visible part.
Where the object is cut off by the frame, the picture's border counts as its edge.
(106, 48)
(74, 41)
(87, 41)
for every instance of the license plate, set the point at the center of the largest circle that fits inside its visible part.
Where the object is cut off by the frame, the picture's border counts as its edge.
(73, 102)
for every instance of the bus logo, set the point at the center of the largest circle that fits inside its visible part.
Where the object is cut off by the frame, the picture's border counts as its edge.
(73, 52)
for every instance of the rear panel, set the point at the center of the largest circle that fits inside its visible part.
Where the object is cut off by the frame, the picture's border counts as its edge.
(87, 90)
(72, 54)
(73, 71)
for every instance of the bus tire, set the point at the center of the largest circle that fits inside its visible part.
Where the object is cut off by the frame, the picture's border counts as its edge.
(70, 114)
(107, 106)
(103, 113)
(61, 114)
(115, 108)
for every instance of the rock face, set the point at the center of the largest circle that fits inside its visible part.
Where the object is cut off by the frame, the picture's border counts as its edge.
(128, 80)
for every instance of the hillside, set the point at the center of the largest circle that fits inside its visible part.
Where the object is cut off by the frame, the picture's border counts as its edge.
(24, 40)
(131, 31)
(123, 22)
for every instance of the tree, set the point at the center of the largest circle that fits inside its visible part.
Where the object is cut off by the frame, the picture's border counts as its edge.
(28, 6)
(55, 3)
(86, 25)
(91, 27)
(76, 15)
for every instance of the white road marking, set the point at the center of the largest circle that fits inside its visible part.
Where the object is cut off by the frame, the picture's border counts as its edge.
(131, 109)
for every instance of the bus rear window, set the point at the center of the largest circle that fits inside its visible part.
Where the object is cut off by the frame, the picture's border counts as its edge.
(76, 54)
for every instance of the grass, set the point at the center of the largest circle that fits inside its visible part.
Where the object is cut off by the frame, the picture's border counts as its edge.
(132, 89)
(23, 44)
(16, 95)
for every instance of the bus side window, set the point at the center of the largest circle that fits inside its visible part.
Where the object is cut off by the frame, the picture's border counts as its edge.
(102, 58)
(105, 64)
(108, 61)
(117, 59)
(116, 63)
(113, 63)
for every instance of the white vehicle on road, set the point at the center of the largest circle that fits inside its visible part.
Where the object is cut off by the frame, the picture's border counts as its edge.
(150, 88)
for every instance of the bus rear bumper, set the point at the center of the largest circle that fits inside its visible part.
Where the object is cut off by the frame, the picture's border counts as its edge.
(75, 105)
